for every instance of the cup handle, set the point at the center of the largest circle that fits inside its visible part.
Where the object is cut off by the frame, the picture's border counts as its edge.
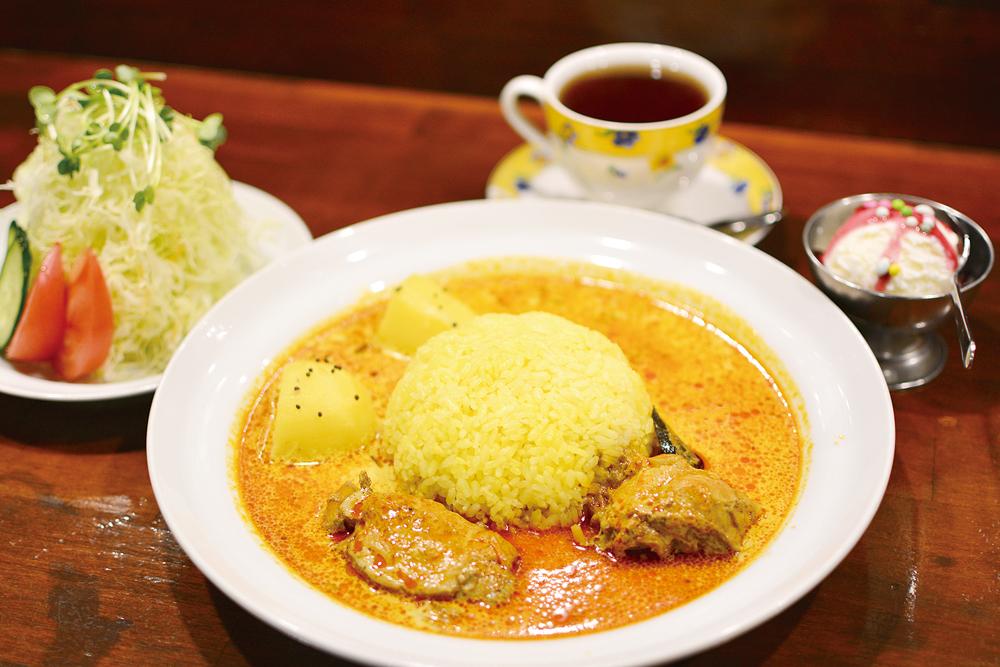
(524, 86)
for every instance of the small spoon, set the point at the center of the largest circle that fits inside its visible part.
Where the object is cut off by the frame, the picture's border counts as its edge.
(743, 227)
(966, 344)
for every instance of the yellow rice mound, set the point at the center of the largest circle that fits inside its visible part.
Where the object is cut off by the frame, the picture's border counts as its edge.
(514, 418)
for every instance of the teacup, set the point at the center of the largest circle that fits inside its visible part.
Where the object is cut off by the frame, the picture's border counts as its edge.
(632, 163)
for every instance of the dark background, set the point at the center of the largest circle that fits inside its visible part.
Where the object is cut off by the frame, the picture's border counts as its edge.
(912, 69)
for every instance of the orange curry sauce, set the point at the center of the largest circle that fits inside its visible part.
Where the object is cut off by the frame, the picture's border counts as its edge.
(728, 400)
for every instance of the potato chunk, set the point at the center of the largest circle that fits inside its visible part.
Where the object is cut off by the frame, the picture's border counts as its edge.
(417, 310)
(321, 409)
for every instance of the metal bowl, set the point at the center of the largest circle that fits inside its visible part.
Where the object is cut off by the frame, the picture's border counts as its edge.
(901, 330)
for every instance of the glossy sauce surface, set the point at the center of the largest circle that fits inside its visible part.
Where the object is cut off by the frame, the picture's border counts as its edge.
(724, 401)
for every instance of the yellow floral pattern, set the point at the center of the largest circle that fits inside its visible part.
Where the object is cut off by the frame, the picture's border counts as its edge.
(658, 145)
(749, 177)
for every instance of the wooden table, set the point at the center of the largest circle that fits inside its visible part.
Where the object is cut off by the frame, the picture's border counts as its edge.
(91, 574)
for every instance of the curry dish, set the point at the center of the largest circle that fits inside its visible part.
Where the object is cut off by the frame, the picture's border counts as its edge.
(717, 386)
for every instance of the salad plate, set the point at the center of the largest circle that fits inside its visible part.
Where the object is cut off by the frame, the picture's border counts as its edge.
(282, 231)
(845, 413)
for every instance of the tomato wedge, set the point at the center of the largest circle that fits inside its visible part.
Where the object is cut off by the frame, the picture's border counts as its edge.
(40, 332)
(89, 321)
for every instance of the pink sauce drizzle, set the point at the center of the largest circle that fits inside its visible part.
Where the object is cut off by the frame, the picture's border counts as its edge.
(865, 215)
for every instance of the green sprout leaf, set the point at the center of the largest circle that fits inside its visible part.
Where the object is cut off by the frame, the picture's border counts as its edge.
(103, 73)
(127, 74)
(69, 165)
(212, 132)
(43, 100)
(41, 96)
(143, 197)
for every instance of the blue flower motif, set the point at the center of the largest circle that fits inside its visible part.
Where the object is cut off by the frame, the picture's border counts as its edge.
(625, 139)
(522, 184)
(701, 134)
(567, 134)
(739, 187)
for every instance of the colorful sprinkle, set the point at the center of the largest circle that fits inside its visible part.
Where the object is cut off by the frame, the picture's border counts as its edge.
(882, 267)
(910, 221)
(898, 204)
(927, 225)
(884, 202)
(894, 269)
(871, 203)
(923, 209)
(882, 211)
(906, 210)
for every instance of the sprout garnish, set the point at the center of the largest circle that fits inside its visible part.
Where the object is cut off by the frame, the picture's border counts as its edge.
(117, 111)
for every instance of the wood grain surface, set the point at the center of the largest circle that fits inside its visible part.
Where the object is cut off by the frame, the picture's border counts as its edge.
(906, 68)
(91, 575)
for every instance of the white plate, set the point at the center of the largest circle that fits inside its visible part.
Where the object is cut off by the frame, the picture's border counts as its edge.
(845, 398)
(289, 232)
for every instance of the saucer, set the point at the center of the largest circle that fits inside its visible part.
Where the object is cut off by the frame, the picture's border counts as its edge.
(734, 182)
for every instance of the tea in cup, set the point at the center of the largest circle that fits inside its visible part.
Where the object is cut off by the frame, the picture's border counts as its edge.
(630, 122)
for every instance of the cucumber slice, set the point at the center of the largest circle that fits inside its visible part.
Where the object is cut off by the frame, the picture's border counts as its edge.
(13, 282)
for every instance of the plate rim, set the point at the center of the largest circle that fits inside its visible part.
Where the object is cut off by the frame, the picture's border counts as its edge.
(291, 224)
(776, 605)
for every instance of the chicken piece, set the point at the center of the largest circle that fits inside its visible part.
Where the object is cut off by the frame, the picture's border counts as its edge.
(664, 440)
(670, 507)
(417, 546)
(632, 460)
(335, 516)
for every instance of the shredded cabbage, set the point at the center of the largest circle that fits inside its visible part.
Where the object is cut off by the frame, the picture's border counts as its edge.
(164, 264)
